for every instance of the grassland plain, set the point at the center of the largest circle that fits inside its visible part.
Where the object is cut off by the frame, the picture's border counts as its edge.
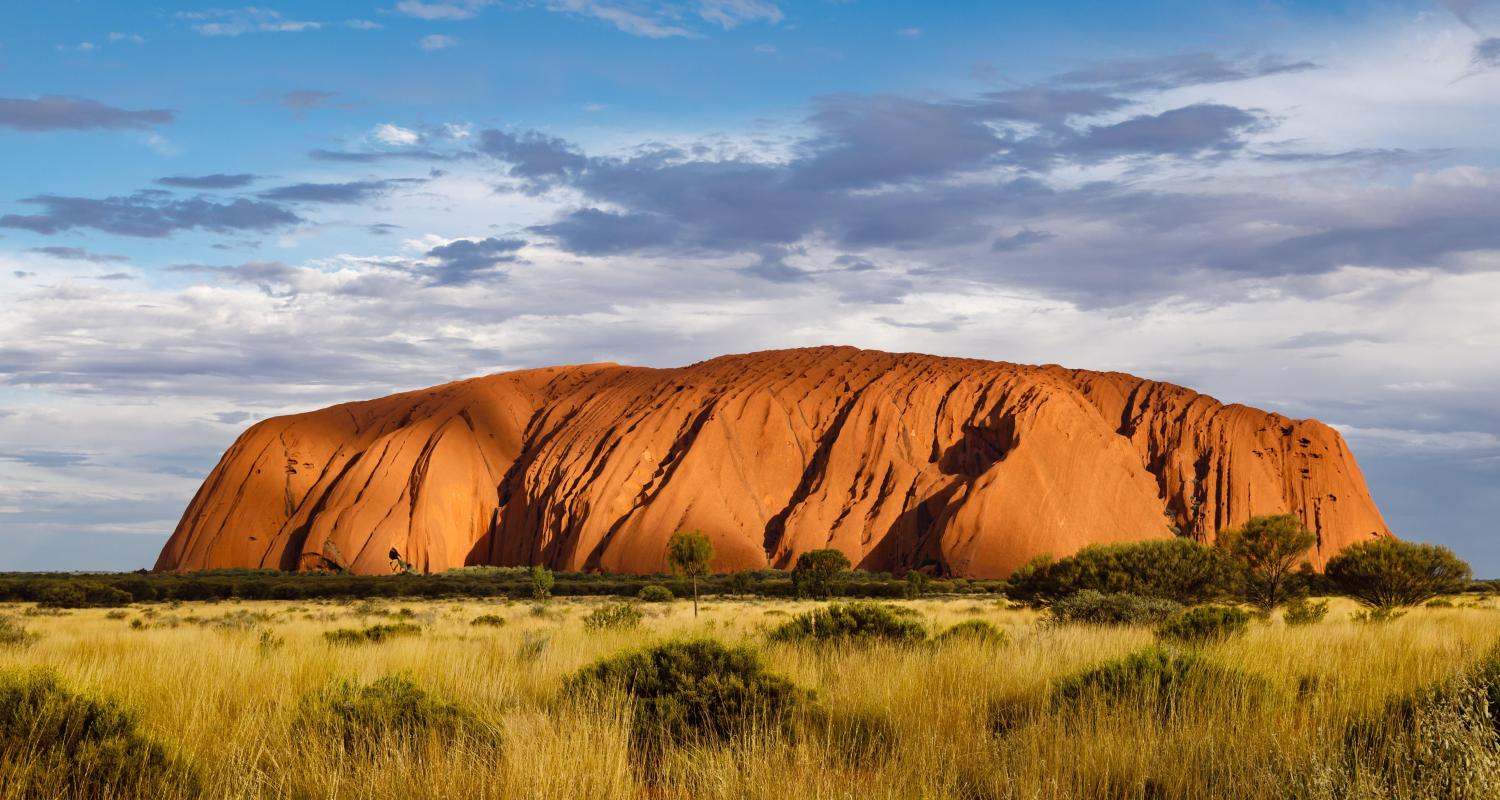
(225, 686)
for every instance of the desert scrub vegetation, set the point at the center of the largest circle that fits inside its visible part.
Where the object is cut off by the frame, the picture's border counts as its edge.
(691, 691)
(391, 711)
(852, 622)
(974, 630)
(613, 616)
(1309, 712)
(56, 743)
(1201, 624)
(1093, 607)
(373, 633)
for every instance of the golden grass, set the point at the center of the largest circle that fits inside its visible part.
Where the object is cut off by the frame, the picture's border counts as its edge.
(957, 720)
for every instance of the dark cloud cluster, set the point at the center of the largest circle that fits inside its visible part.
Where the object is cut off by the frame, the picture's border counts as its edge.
(56, 113)
(149, 213)
(218, 180)
(346, 193)
(465, 261)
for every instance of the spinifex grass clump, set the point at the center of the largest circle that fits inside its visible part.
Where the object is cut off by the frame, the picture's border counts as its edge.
(655, 593)
(852, 622)
(1304, 612)
(57, 744)
(974, 630)
(374, 633)
(1091, 607)
(1205, 624)
(692, 691)
(14, 634)
(391, 711)
(615, 616)
(488, 621)
(1160, 678)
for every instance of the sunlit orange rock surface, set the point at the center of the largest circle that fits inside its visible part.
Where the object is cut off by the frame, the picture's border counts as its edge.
(953, 465)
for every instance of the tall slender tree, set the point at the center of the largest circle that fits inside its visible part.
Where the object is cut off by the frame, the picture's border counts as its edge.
(688, 553)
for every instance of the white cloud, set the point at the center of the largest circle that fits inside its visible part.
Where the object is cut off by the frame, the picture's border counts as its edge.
(395, 135)
(238, 21)
(437, 41)
(441, 11)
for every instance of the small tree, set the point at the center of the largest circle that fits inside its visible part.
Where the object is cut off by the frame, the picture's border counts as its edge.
(916, 585)
(1268, 549)
(688, 553)
(1389, 573)
(818, 573)
(541, 583)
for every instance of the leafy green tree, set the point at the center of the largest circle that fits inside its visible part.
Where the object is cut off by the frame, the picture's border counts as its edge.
(916, 585)
(689, 553)
(1390, 573)
(1175, 569)
(819, 573)
(1268, 549)
(541, 583)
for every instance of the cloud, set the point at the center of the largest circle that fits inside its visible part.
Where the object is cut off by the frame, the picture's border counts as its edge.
(349, 192)
(1182, 132)
(1176, 71)
(303, 99)
(150, 213)
(464, 261)
(239, 21)
(437, 41)
(57, 113)
(218, 180)
(909, 32)
(730, 13)
(464, 9)
(47, 459)
(1487, 53)
(395, 136)
(129, 38)
(77, 254)
(634, 22)
(534, 157)
(369, 157)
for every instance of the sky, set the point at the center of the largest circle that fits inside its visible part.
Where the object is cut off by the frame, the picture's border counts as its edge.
(214, 214)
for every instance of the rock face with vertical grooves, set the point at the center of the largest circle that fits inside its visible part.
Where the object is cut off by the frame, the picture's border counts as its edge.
(902, 461)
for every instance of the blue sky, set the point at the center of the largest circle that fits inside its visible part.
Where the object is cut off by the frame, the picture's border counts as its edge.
(213, 214)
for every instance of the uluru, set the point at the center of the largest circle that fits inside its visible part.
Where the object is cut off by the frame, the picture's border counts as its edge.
(902, 461)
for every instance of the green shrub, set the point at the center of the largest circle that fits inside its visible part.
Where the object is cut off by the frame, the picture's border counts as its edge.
(615, 616)
(1203, 624)
(1176, 569)
(54, 743)
(845, 622)
(820, 573)
(374, 633)
(655, 593)
(1304, 612)
(1091, 607)
(974, 630)
(488, 620)
(1389, 573)
(1157, 677)
(393, 710)
(541, 583)
(916, 585)
(1268, 550)
(82, 594)
(14, 634)
(692, 691)
(1377, 615)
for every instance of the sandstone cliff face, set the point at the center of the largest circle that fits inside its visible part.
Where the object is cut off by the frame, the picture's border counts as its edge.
(900, 460)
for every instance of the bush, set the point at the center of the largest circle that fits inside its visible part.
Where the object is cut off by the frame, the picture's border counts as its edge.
(974, 630)
(1158, 677)
(1203, 624)
(374, 633)
(1377, 615)
(541, 583)
(1175, 569)
(82, 594)
(13, 634)
(655, 593)
(1304, 612)
(1389, 573)
(393, 710)
(844, 622)
(692, 691)
(615, 616)
(488, 621)
(916, 585)
(54, 743)
(1268, 550)
(819, 573)
(1092, 607)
